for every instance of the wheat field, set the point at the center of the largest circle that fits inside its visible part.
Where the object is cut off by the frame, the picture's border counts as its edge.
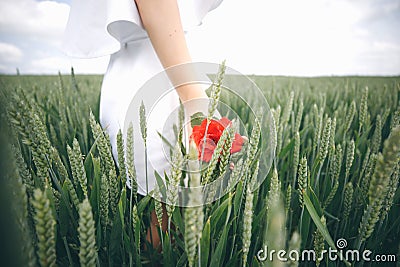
(335, 177)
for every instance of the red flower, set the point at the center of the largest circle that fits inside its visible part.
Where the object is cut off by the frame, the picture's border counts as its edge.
(214, 132)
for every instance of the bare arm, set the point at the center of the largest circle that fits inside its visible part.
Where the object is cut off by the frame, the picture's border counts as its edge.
(162, 22)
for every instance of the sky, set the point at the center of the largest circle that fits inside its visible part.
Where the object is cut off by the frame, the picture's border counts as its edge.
(265, 37)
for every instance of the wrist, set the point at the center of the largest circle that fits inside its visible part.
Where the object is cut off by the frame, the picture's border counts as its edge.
(191, 91)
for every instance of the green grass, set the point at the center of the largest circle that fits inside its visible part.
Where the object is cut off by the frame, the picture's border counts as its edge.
(352, 182)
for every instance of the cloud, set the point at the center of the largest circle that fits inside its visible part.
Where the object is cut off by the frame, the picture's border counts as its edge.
(50, 64)
(10, 53)
(386, 46)
(6, 68)
(288, 37)
(44, 20)
(309, 37)
(31, 32)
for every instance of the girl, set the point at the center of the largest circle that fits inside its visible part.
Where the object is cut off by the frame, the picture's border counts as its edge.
(142, 37)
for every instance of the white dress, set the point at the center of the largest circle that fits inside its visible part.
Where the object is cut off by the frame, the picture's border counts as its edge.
(113, 27)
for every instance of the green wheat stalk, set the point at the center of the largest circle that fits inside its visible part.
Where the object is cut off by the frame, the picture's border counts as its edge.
(288, 109)
(274, 235)
(130, 163)
(348, 199)
(158, 205)
(288, 199)
(226, 151)
(379, 183)
(248, 216)
(121, 157)
(216, 92)
(350, 116)
(215, 157)
(143, 131)
(319, 243)
(77, 167)
(302, 180)
(395, 121)
(363, 109)
(194, 212)
(296, 154)
(247, 221)
(45, 226)
(23, 171)
(175, 177)
(55, 158)
(377, 137)
(102, 145)
(324, 143)
(332, 136)
(72, 192)
(21, 206)
(104, 202)
(349, 157)
(87, 235)
(391, 191)
(299, 115)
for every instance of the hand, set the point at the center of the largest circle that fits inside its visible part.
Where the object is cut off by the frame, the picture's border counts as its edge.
(231, 166)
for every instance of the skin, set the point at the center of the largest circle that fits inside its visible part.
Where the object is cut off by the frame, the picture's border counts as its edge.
(163, 24)
(162, 21)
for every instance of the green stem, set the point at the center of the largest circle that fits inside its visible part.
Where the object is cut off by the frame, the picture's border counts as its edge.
(204, 140)
(67, 250)
(145, 164)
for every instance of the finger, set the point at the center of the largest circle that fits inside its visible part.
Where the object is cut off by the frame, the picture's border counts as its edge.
(231, 166)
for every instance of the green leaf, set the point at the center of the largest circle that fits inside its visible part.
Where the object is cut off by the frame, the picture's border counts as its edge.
(228, 214)
(123, 199)
(89, 157)
(98, 233)
(161, 185)
(95, 192)
(314, 200)
(236, 260)
(322, 228)
(88, 165)
(286, 149)
(317, 220)
(258, 219)
(142, 204)
(121, 208)
(304, 226)
(167, 251)
(238, 197)
(216, 215)
(165, 140)
(137, 237)
(177, 219)
(197, 118)
(182, 262)
(217, 259)
(115, 238)
(205, 244)
(65, 210)
(179, 242)
(127, 245)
